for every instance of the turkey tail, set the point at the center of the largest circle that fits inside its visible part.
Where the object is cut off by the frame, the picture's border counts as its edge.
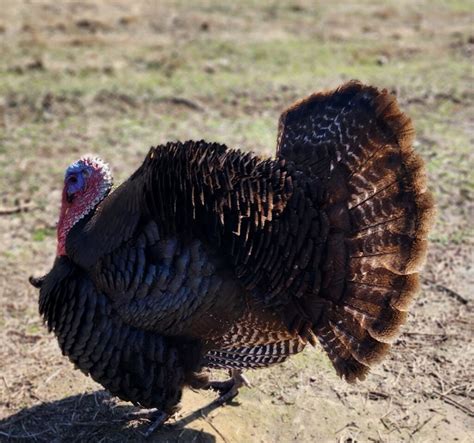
(357, 144)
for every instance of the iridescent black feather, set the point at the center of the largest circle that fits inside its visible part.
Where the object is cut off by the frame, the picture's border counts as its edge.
(208, 256)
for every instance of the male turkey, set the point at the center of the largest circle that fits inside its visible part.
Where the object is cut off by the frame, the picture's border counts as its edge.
(208, 257)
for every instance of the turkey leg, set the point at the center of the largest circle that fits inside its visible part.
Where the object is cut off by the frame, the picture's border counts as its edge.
(228, 389)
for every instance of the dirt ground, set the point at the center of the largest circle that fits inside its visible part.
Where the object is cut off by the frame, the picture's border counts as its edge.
(116, 77)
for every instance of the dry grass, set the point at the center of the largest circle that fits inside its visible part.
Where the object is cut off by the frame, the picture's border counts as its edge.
(116, 77)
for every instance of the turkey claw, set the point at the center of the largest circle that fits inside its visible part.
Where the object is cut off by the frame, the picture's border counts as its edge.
(156, 416)
(229, 389)
(160, 420)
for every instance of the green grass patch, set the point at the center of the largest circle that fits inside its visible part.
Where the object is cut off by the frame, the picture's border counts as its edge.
(43, 233)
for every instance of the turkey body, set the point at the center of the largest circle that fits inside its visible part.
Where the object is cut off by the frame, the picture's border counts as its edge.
(208, 257)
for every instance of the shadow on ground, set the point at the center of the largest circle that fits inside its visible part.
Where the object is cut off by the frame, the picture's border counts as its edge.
(93, 416)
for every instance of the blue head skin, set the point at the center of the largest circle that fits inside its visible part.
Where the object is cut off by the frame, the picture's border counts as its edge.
(86, 183)
(75, 178)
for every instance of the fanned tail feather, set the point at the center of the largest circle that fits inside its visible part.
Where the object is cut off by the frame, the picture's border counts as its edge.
(379, 210)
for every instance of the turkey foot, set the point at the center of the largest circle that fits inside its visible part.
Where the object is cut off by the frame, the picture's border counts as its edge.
(157, 417)
(160, 418)
(229, 388)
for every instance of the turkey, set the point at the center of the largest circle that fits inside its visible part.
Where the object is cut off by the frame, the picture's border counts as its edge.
(209, 257)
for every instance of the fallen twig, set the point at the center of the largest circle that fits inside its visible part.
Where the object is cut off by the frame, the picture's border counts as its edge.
(374, 395)
(206, 419)
(182, 101)
(348, 425)
(454, 403)
(339, 396)
(449, 292)
(428, 334)
(387, 427)
(420, 427)
(25, 207)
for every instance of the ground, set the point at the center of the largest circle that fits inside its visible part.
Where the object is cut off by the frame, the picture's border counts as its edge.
(114, 78)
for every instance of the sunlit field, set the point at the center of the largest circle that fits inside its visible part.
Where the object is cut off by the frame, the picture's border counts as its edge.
(114, 78)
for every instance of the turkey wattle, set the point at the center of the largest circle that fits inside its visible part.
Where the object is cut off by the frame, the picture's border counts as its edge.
(208, 257)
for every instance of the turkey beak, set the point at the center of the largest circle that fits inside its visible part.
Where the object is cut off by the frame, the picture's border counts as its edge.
(69, 197)
(37, 282)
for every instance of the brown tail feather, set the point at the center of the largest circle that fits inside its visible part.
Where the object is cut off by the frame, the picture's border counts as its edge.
(380, 212)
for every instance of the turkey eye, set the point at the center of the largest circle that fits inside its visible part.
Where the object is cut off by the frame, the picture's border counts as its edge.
(72, 179)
